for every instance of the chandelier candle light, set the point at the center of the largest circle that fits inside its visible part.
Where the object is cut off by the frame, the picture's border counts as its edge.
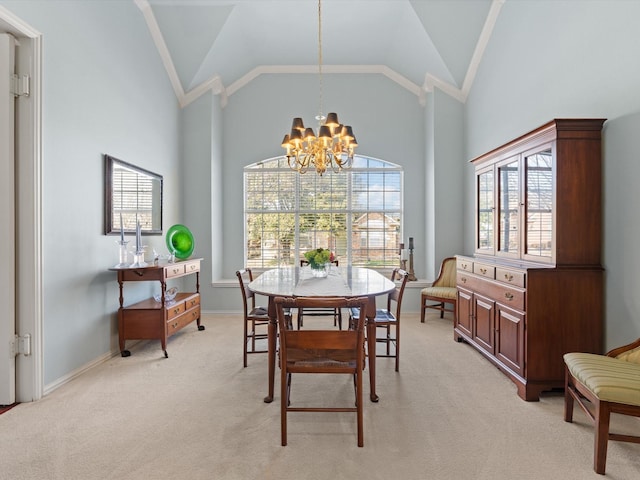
(335, 144)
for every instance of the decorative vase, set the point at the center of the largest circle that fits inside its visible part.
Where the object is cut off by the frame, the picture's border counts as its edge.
(320, 271)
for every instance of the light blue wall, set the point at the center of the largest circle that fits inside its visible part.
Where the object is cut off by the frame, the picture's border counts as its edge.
(104, 91)
(562, 58)
(201, 176)
(388, 122)
(444, 203)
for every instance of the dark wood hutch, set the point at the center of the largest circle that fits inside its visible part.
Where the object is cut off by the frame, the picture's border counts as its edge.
(534, 288)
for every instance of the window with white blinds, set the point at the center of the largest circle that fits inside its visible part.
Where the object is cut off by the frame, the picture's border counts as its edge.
(356, 213)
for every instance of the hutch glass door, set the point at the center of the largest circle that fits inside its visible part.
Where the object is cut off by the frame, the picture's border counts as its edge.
(539, 202)
(509, 207)
(486, 211)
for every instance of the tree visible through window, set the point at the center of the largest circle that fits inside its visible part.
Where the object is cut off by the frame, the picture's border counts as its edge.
(356, 213)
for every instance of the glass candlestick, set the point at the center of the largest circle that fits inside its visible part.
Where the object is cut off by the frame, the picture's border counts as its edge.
(138, 258)
(123, 254)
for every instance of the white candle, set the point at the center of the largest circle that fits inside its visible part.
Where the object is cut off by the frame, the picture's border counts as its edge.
(138, 235)
(121, 230)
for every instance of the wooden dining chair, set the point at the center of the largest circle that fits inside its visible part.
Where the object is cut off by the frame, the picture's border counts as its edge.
(388, 319)
(336, 313)
(321, 351)
(256, 319)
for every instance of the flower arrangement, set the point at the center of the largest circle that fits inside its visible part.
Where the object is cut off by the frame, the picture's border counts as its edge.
(319, 257)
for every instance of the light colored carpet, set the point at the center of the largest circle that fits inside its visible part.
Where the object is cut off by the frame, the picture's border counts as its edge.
(448, 414)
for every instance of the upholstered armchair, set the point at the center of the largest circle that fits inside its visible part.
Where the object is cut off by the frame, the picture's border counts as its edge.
(602, 385)
(442, 291)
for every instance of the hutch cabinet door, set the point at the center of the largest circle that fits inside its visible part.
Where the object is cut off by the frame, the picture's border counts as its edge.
(465, 311)
(509, 207)
(483, 325)
(510, 338)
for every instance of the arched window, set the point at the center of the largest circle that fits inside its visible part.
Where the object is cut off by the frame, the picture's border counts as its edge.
(356, 213)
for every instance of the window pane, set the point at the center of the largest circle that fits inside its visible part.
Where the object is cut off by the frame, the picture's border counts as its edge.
(356, 213)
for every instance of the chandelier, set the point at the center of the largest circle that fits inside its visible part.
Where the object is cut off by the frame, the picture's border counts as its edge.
(335, 144)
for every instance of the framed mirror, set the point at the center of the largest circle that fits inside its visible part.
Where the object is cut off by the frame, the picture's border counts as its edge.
(132, 194)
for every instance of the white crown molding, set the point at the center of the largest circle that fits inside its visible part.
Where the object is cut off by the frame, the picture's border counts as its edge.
(431, 81)
(461, 94)
(483, 40)
(216, 86)
(158, 39)
(333, 69)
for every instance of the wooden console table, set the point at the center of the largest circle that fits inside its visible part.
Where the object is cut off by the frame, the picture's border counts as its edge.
(151, 320)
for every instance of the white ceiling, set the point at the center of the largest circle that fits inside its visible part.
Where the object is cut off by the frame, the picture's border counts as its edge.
(411, 41)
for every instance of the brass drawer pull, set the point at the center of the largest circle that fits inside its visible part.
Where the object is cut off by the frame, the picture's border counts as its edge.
(483, 271)
(193, 302)
(176, 311)
(508, 296)
(175, 325)
(508, 277)
(463, 279)
(192, 267)
(139, 273)
(176, 270)
(465, 266)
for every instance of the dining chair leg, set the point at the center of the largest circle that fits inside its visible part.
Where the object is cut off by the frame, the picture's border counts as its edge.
(253, 335)
(359, 408)
(245, 340)
(397, 347)
(388, 339)
(284, 402)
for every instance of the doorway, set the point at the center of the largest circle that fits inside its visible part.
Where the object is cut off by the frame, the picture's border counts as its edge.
(27, 191)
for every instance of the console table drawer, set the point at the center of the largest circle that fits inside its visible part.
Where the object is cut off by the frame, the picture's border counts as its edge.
(192, 302)
(174, 270)
(175, 324)
(139, 274)
(192, 267)
(175, 310)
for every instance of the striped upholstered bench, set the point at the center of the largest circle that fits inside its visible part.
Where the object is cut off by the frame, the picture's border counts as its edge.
(611, 384)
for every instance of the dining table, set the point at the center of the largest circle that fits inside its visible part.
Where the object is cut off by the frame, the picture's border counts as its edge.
(342, 281)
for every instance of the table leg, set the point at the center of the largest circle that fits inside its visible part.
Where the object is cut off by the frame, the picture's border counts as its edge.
(371, 346)
(272, 334)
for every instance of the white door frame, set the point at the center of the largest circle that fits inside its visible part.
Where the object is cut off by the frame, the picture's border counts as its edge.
(29, 369)
(8, 221)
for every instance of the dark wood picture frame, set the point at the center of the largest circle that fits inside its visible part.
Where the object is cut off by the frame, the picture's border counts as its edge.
(138, 197)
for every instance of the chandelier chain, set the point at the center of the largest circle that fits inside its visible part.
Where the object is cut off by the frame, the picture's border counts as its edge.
(320, 56)
(335, 144)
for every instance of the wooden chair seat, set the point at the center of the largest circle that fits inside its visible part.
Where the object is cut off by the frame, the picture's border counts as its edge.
(603, 385)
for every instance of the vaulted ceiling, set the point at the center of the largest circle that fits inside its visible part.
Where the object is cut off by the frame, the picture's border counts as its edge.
(224, 44)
